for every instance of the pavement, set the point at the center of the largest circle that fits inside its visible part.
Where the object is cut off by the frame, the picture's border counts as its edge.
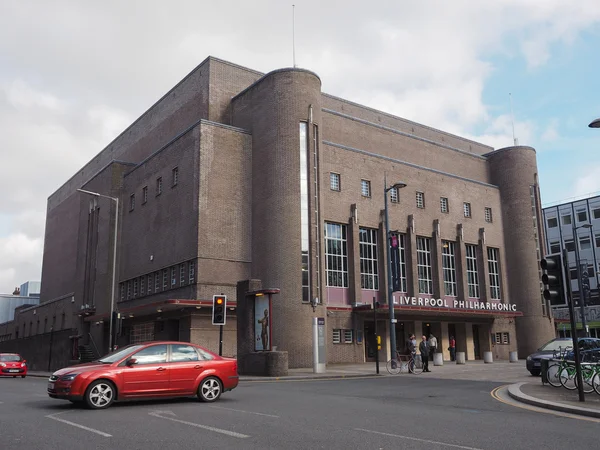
(521, 386)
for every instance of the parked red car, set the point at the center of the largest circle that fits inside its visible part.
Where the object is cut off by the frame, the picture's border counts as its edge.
(12, 365)
(149, 370)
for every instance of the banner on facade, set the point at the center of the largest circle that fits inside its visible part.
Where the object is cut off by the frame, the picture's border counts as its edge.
(455, 304)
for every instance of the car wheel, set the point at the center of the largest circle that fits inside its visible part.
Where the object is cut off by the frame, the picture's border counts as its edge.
(22, 376)
(100, 394)
(210, 389)
(15, 376)
(535, 373)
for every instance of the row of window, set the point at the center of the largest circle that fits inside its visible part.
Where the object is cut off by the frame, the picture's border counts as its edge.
(341, 336)
(336, 260)
(38, 329)
(162, 280)
(159, 188)
(501, 338)
(585, 243)
(581, 215)
(365, 187)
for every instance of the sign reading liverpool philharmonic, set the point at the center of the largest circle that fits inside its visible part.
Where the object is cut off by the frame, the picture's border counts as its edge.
(457, 304)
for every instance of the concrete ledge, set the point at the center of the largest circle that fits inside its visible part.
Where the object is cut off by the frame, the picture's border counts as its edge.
(309, 377)
(514, 391)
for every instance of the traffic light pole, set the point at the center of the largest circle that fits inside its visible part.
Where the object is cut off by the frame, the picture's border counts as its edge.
(220, 340)
(579, 277)
(375, 304)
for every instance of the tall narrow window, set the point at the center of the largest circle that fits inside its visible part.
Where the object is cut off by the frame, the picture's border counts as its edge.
(135, 288)
(472, 274)
(334, 181)
(420, 200)
(369, 274)
(443, 204)
(398, 262)
(449, 268)
(131, 202)
(424, 265)
(365, 188)
(144, 194)
(128, 290)
(182, 274)
(122, 291)
(192, 272)
(494, 270)
(159, 186)
(143, 285)
(304, 213)
(336, 255)
(165, 279)
(173, 276)
(150, 283)
(488, 215)
(175, 176)
(394, 197)
(157, 282)
(467, 209)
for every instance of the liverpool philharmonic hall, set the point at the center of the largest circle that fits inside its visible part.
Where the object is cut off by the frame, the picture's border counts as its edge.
(239, 175)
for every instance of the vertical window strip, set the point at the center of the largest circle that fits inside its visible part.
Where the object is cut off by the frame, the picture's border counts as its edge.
(494, 271)
(182, 274)
(336, 255)
(472, 274)
(150, 282)
(424, 265)
(304, 215)
(449, 268)
(369, 277)
(192, 272)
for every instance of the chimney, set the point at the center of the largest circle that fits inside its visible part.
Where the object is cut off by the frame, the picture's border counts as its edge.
(17, 291)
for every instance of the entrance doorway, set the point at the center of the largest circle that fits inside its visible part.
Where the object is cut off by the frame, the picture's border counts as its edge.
(476, 349)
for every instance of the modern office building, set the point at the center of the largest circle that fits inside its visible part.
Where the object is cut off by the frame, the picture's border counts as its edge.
(27, 294)
(580, 218)
(235, 175)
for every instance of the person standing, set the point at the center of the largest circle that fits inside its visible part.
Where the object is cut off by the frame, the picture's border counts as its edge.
(452, 349)
(424, 350)
(432, 345)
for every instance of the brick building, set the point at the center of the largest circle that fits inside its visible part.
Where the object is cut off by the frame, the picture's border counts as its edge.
(236, 174)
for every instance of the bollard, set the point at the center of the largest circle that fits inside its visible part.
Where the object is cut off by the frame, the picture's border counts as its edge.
(513, 357)
(460, 357)
(488, 357)
(438, 359)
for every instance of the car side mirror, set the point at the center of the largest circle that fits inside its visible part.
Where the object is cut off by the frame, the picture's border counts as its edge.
(131, 362)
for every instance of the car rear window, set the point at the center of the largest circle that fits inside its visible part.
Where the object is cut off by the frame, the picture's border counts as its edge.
(10, 358)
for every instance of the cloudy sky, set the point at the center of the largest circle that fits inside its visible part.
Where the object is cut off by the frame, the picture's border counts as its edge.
(74, 74)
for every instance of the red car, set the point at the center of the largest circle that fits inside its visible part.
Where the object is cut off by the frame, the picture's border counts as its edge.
(12, 365)
(149, 370)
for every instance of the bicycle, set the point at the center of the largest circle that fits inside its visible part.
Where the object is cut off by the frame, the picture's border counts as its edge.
(411, 362)
(556, 367)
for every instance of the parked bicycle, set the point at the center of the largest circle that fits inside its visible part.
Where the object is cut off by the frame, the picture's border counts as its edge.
(405, 363)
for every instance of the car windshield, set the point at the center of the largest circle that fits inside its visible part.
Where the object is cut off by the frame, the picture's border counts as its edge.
(10, 358)
(120, 354)
(556, 345)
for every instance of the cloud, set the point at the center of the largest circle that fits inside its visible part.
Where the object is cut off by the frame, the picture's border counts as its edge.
(20, 258)
(588, 182)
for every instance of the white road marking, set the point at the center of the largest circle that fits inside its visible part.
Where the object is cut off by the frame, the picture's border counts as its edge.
(205, 427)
(248, 412)
(68, 422)
(417, 439)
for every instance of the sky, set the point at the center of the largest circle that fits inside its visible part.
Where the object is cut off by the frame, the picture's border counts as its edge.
(74, 74)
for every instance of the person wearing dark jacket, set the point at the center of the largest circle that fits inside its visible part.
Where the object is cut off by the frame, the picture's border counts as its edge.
(424, 350)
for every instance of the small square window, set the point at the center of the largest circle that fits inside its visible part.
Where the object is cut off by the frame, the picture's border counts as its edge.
(467, 209)
(337, 336)
(159, 186)
(365, 187)
(570, 245)
(420, 200)
(597, 237)
(596, 213)
(552, 222)
(581, 215)
(584, 243)
(144, 194)
(444, 205)
(566, 219)
(334, 181)
(488, 215)
(348, 337)
(131, 202)
(554, 247)
(394, 197)
(175, 176)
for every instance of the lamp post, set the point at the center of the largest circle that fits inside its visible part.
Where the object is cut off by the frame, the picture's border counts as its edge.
(577, 261)
(398, 185)
(114, 267)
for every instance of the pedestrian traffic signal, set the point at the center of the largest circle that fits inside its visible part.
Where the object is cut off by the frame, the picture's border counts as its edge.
(219, 314)
(553, 279)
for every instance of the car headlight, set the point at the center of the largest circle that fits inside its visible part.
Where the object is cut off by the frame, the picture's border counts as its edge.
(69, 377)
(2, 365)
(23, 364)
(529, 358)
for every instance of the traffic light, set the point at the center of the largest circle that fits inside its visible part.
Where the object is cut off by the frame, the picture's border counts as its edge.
(219, 314)
(553, 279)
(585, 281)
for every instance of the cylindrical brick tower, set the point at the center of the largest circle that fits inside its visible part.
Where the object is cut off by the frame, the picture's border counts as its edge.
(514, 170)
(279, 110)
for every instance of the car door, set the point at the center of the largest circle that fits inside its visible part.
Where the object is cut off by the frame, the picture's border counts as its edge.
(185, 365)
(150, 374)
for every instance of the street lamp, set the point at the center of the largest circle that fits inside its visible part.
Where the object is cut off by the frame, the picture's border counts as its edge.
(579, 284)
(386, 189)
(595, 123)
(114, 267)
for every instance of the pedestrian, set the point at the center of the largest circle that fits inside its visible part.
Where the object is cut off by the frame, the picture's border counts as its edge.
(432, 345)
(452, 349)
(424, 349)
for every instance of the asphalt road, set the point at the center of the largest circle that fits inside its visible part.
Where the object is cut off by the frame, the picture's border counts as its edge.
(402, 412)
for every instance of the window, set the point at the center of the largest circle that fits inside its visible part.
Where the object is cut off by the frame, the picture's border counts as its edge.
(144, 194)
(304, 214)
(501, 338)
(192, 272)
(596, 213)
(175, 176)
(182, 274)
(336, 255)
(488, 215)
(128, 290)
(131, 202)
(155, 354)
(369, 278)
(183, 353)
(420, 200)
(165, 279)
(449, 268)
(570, 245)
(348, 335)
(494, 271)
(365, 188)
(398, 262)
(552, 222)
(150, 284)
(334, 181)
(467, 209)
(597, 238)
(444, 205)
(472, 275)
(122, 291)
(424, 265)
(566, 219)
(156, 281)
(554, 247)
(159, 186)
(394, 197)
(173, 276)
(584, 243)
(573, 274)
(135, 288)
(142, 285)
(581, 215)
(505, 338)
(337, 336)
(142, 332)
(204, 356)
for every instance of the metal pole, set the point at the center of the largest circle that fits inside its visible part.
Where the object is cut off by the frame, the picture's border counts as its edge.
(573, 325)
(114, 275)
(220, 340)
(390, 287)
(375, 330)
(581, 293)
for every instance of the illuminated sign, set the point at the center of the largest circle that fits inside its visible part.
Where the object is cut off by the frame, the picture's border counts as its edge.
(454, 303)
